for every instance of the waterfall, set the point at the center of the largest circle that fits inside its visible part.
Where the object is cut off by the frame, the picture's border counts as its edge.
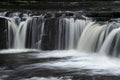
(12, 28)
(17, 33)
(20, 37)
(89, 37)
(73, 29)
(108, 41)
(35, 32)
(47, 32)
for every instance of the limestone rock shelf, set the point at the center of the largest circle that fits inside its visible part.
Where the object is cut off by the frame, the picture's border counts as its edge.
(91, 5)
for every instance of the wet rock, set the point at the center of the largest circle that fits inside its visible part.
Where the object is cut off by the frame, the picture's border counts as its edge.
(51, 31)
(69, 14)
(48, 15)
(33, 35)
(58, 14)
(3, 33)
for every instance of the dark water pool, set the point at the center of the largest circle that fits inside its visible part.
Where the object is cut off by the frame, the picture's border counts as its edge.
(57, 65)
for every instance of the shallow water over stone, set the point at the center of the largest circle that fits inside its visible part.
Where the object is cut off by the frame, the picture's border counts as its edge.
(57, 65)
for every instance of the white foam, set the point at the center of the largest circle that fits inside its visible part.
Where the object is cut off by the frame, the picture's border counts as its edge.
(75, 61)
(43, 78)
(11, 51)
(96, 63)
(60, 54)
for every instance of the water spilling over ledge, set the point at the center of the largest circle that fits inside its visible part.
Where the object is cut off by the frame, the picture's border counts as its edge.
(63, 30)
(60, 44)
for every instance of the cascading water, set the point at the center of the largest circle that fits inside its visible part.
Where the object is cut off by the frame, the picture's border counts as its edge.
(73, 30)
(67, 42)
(29, 33)
(12, 27)
(108, 42)
(85, 35)
(20, 36)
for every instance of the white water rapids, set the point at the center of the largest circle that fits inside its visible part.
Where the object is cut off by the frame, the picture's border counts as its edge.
(96, 63)
(74, 46)
(72, 60)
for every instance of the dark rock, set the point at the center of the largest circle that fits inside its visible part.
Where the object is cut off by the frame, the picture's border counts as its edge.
(3, 33)
(7, 14)
(34, 32)
(48, 15)
(100, 18)
(58, 14)
(80, 15)
(51, 31)
(69, 14)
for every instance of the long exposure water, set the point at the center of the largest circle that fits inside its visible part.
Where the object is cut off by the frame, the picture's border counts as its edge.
(57, 65)
(58, 47)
